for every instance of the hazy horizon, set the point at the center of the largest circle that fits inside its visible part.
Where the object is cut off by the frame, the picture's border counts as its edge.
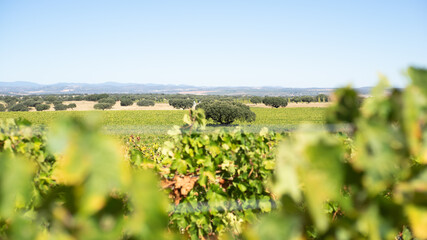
(303, 44)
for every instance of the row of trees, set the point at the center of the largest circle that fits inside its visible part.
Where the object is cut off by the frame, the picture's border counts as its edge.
(39, 106)
(295, 99)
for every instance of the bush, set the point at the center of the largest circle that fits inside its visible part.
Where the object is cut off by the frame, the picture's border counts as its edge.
(181, 103)
(103, 106)
(275, 101)
(322, 98)
(2, 108)
(96, 97)
(60, 107)
(10, 101)
(145, 102)
(109, 100)
(221, 182)
(126, 102)
(18, 108)
(346, 107)
(226, 112)
(256, 100)
(31, 102)
(71, 105)
(42, 107)
(52, 99)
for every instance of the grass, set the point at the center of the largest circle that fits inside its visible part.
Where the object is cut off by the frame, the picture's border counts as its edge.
(157, 122)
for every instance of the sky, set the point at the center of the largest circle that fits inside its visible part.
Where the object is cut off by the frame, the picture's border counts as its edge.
(212, 43)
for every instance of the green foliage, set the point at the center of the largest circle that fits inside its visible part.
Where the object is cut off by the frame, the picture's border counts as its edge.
(345, 108)
(275, 102)
(31, 102)
(370, 186)
(181, 103)
(322, 98)
(126, 102)
(226, 112)
(216, 180)
(145, 103)
(96, 97)
(256, 99)
(109, 100)
(60, 107)
(42, 107)
(51, 99)
(2, 108)
(72, 105)
(18, 108)
(94, 195)
(103, 106)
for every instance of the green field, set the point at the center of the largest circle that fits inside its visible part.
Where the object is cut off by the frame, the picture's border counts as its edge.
(159, 121)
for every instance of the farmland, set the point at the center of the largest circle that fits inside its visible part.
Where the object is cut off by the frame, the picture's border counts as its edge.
(316, 184)
(159, 121)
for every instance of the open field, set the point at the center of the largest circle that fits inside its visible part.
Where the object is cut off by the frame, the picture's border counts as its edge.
(159, 121)
(88, 106)
(296, 105)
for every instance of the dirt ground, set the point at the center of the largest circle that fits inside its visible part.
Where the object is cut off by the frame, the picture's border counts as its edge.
(88, 105)
(296, 105)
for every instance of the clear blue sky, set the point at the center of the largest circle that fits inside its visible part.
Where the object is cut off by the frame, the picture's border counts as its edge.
(212, 43)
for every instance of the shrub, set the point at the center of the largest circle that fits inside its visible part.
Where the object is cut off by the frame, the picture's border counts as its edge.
(31, 102)
(181, 103)
(18, 108)
(224, 186)
(226, 112)
(59, 107)
(109, 100)
(42, 107)
(103, 106)
(10, 101)
(145, 102)
(275, 101)
(2, 108)
(126, 102)
(71, 105)
(96, 97)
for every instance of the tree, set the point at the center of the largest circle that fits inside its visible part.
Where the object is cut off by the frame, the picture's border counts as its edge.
(31, 102)
(126, 102)
(256, 99)
(18, 108)
(42, 107)
(2, 108)
(308, 99)
(103, 106)
(226, 112)
(275, 101)
(51, 99)
(71, 105)
(181, 103)
(96, 97)
(145, 102)
(322, 98)
(109, 100)
(60, 107)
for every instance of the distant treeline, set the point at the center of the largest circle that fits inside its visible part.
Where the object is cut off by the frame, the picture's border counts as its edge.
(107, 101)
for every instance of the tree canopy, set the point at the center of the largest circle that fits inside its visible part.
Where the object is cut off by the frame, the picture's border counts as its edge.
(226, 112)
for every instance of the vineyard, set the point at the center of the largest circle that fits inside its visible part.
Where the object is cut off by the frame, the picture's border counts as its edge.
(158, 122)
(71, 181)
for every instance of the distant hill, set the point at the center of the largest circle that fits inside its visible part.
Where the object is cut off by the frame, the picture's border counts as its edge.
(27, 88)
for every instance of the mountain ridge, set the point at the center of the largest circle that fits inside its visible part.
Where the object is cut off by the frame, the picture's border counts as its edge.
(28, 88)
